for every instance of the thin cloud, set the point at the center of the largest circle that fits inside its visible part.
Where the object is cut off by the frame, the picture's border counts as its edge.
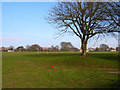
(9, 39)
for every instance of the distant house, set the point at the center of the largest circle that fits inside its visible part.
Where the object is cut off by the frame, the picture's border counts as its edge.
(80, 50)
(97, 49)
(74, 49)
(45, 49)
(107, 50)
(112, 49)
(87, 50)
(91, 49)
(4, 49)
(10, 50)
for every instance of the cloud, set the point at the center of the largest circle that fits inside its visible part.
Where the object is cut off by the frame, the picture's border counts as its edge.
(9, 39)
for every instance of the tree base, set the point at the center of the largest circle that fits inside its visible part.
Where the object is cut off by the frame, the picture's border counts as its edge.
(83, 55)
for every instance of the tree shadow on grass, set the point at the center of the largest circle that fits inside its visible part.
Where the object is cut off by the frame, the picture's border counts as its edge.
(114, 84)
(51, 55)
(105, 56)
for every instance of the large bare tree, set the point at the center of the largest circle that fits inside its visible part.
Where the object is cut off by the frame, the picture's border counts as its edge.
(84, 19)
(113, 12)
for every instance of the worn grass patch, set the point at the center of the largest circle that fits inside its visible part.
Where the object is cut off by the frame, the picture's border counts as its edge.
(32, 70)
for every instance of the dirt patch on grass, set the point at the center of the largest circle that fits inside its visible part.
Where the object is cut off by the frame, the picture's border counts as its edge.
(114, 72)
(107, 69)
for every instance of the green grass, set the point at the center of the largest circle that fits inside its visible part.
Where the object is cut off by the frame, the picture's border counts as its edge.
(32, 70)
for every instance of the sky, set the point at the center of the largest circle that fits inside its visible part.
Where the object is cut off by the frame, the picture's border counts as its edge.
(23, 24)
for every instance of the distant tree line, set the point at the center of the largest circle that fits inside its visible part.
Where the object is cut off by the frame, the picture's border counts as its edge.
(36, 47)
(65, 46)
(104, 47)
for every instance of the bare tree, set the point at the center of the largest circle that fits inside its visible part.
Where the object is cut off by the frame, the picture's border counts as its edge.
(84, 19)
(113, 11)
(66, 46)
(35, 47)
(57, 47)
(54, 48)
(104, 47)
(11, 48)
(28, 47)
(20, 48)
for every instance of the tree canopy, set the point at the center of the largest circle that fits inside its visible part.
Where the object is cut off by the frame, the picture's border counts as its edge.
(85, 19)
(104, 46)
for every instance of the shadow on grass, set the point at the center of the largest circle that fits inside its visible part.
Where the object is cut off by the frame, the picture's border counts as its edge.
(52, 55)
(114, 84)
(105, 56)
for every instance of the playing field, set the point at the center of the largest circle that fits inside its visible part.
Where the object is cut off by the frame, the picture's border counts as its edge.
(33, 70)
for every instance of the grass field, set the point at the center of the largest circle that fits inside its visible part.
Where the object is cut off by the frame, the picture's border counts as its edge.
(32, 70)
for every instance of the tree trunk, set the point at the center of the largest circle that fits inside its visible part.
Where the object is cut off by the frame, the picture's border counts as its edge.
(84, 48)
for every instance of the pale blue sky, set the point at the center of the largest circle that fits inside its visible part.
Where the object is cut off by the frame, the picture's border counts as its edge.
(24, 24)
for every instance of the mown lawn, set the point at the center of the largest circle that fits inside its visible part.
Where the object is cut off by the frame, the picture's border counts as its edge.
(32, 70)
